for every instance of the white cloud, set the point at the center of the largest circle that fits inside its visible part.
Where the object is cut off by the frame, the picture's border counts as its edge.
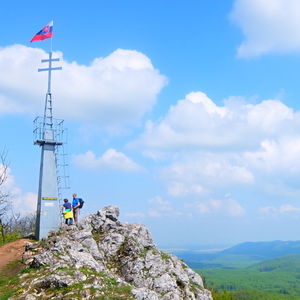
(225, 207)
(159, 207)
(9, 185)
(22, 203)
(196, 173)
(134, 215)
(161, 204)
(110, 159)
(288, 208)
(204, 147)
(154, 213)
(177, 188)
(277, 156)
(197, 122)
(112, 91)
(283, 209)
(268, 26)
(234, 208)
(25, 203)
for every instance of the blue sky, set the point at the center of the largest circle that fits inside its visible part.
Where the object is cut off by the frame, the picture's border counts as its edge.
(183, 114)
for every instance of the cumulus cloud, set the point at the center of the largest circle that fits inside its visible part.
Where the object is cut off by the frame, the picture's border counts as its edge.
(268, 26)
(25, 203)
(283, 209)
(21, 202)
(277, 156)
(195, 173)
(226, 207)
(112, 91)
(197, 121)
(158, 207)
(135, 215)
(205, 147)
(110, 159)
(178, 187)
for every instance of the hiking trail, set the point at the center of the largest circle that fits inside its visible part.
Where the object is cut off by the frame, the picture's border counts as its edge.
(12, 251)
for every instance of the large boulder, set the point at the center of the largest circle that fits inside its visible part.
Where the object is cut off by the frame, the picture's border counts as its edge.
(102, 258)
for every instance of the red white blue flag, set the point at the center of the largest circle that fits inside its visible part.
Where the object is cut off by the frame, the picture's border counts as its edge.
(43, 34)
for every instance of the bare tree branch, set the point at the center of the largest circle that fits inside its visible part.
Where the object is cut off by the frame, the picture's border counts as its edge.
(4, 196)
(4, 167)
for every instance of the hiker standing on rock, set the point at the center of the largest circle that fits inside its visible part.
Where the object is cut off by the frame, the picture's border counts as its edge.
(76, 207)
(68, 212)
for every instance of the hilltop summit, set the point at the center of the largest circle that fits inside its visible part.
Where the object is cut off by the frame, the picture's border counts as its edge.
(103, 258)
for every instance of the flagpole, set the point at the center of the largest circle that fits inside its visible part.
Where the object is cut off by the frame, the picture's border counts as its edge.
(51, 37)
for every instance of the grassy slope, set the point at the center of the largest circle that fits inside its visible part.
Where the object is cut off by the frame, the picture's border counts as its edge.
(110, 288)
(9, 280)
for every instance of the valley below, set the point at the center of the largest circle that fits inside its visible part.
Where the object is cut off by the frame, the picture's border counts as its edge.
(252, 270)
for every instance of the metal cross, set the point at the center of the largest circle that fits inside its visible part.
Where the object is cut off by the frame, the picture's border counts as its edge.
(49, 69)
(48, 117)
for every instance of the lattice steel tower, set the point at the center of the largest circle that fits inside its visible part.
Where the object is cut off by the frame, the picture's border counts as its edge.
(50, 135)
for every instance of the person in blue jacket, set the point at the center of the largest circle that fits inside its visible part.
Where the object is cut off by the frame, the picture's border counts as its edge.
(76, 209)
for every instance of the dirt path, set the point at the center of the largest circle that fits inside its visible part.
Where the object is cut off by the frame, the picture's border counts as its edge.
(12, 251)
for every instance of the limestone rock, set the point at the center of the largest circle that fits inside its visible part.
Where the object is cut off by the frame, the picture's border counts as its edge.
(103, 257)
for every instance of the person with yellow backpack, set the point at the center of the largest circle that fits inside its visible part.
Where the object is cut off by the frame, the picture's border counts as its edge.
(68, 212)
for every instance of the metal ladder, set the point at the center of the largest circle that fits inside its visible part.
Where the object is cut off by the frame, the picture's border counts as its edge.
(62, 163)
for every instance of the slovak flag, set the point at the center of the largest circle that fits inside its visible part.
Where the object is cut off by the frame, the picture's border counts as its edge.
(43, 34)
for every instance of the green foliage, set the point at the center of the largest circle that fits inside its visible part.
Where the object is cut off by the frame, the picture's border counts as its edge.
(223, 295)
(9, 237)
(273, 279)
(248, 295)
(289, 263)
(235, 260)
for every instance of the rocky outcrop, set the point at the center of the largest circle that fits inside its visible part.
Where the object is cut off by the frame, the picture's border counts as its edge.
(103, 258)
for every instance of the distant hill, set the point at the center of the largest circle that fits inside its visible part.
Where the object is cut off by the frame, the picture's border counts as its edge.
(265, 249)
(239, 256)
(289, 263)
(274, 279)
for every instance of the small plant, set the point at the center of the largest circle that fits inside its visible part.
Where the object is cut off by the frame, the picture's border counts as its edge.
(164, 256)
(98, 236)
(195, 287)
(143, 253)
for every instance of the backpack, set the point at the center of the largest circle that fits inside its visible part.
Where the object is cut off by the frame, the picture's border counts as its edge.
(81, 202)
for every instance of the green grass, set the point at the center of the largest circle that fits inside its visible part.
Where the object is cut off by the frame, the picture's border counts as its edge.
(111, 289)
(9, 281)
